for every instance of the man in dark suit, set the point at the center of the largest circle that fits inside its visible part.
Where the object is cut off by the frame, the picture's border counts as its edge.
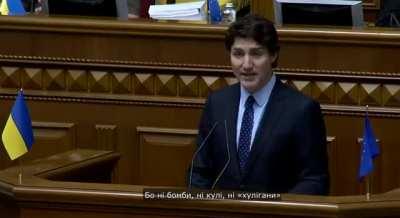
(260, 135)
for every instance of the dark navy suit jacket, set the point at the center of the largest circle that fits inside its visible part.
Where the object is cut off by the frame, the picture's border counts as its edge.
(288, 155)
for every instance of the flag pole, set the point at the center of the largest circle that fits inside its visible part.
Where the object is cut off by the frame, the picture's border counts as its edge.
(20, 171)
(368, 187)
(367, 179)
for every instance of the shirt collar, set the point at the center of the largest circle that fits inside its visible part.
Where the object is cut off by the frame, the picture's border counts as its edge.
(262, 95)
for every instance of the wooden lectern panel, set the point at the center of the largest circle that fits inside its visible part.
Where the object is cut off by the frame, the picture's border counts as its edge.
(164, 155)
(35, 196)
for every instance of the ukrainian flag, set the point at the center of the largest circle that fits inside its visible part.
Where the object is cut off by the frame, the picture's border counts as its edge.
(12, 7)
(18, 134)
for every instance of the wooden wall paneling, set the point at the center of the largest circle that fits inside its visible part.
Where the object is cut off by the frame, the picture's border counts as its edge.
(112, 40)
(48, 134)
(50, 138)
(346, 130)
(165, 155)
(335, 92)
(125, 84)
(130, 43)
(347, 153)
(97, 116)
(99, 109)
(384, 177)
(336, 55)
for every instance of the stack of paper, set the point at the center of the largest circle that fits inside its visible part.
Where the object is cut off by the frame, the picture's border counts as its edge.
(179, 11)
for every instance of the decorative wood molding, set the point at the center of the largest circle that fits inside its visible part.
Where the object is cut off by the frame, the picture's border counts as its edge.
(106, 139)
(112, 27)
(339, 92)
(54, 63)
(146, 129)
(106, 136)
(85, 63)
(352, 37)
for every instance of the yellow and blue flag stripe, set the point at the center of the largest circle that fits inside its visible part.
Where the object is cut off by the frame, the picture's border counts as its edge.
(12, 7)
(18, 134)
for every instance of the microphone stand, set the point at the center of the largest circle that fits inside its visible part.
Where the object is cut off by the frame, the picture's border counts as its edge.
(196, 153)
(228, 151)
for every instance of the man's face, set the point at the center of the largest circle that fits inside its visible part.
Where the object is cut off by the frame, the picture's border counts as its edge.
(251, 63)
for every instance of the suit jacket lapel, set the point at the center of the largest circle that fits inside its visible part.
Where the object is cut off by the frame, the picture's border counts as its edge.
(270, 117)
(231, 128)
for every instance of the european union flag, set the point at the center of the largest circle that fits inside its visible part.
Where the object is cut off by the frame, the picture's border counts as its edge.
(214, 10)
(370, 150)
(12, 7)
(18, 134)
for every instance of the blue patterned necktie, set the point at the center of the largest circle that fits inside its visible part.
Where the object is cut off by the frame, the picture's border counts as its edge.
(245, 132)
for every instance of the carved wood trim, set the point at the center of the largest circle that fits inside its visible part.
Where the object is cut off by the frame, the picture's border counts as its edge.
(112, 27)
(359, 111)
(366, 37)
(116, 65)
(106, 64)
(381, 106)
(94, 98)
(106, 137)
(145, 129)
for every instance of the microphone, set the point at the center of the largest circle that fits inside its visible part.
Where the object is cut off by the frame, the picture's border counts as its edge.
(228, 153)
(197, 151)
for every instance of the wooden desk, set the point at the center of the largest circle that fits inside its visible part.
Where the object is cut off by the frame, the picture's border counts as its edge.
(40, 196)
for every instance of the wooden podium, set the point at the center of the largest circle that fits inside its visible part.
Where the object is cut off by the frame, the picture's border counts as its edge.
(78, 184)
